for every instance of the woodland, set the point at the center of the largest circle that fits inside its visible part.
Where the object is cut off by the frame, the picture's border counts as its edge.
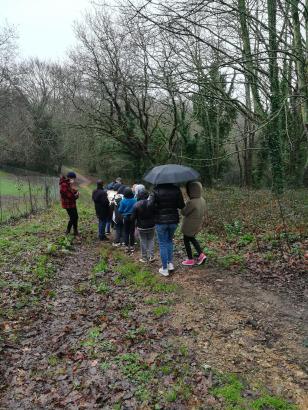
(220, 86)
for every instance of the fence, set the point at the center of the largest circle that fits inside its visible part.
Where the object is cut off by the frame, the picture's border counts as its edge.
(22, 195)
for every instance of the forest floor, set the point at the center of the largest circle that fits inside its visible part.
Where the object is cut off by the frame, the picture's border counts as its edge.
(85, 326)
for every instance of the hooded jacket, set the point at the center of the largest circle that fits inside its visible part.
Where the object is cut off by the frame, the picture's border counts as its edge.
(165, 202)
(143, 213)
(101, 202)
(194, 210)
(68, 194)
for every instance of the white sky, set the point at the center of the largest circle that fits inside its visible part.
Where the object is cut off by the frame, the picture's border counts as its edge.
(44, 27)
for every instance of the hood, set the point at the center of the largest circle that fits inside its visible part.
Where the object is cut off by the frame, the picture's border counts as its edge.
(143, 194)
(64, 179)
(194, 189)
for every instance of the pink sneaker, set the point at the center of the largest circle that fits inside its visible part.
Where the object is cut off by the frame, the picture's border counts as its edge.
(201, 259)
(189, 262)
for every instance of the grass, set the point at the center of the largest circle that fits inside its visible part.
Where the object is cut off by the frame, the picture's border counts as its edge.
(161, 311)
(132, 273)
(231, 389)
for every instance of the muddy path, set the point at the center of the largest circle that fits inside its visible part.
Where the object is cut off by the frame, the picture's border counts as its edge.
(243, 328)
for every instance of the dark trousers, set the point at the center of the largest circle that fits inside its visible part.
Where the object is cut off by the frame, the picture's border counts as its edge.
(119, 229)
(129, 231)
(187, 241)
(73, 221)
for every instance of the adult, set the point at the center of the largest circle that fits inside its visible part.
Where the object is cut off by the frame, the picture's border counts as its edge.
(102, 208)
(114, 185)
(69, 195)
(165, 201)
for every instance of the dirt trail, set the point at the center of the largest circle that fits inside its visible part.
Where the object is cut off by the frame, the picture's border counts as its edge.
(239, 327)
(54, 328)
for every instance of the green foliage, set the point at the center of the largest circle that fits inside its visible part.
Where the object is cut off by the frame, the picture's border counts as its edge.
(102, 287)
(230, 260)
(234, 228)
(231, 391)
(101, 266)
(245, 240)
(140, 278)
(161, 311)
(44, 267)
(272, 403)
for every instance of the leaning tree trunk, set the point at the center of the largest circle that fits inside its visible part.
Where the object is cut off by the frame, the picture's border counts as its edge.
(274, 128)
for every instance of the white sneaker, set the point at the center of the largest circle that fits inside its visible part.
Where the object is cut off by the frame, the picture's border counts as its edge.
(142, 260)
(170, 266)
(164, 272)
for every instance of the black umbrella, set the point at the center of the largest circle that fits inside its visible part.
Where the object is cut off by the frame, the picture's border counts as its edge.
(171, 174)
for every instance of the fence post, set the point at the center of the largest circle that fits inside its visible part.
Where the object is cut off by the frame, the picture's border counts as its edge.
(47, 194)
(30, 196)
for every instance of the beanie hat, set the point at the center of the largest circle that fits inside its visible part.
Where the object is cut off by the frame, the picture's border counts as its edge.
(71, 174)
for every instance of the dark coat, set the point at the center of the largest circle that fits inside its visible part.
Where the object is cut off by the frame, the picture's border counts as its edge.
(101, 202)
(143, 215)
(165, 202)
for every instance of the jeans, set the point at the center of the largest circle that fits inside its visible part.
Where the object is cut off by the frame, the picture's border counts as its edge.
(165, 234)
(129, 231)
(119, 229)
(147, 242)
(193, 240)
(102, 228)
(73, 221)
(108, 226)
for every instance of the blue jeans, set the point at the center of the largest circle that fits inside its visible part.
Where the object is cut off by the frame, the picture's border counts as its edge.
(165, 234)
(101, 228)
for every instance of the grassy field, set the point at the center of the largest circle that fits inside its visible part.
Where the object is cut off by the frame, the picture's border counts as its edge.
(21, 195)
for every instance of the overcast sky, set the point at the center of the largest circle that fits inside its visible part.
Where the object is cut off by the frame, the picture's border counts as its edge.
(44, 26)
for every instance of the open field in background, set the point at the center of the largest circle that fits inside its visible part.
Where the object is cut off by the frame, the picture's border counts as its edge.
(24, 193)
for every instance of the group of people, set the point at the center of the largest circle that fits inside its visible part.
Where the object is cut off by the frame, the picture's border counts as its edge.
(133, 211)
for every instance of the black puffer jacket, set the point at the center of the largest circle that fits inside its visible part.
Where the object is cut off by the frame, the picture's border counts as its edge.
(101, 202)
(165, 202)
(143, 215)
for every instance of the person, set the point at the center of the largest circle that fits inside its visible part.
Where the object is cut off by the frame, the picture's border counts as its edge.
(121, 189)
(138, 188)
(193, 212)
(117, 219)
(69, 195)
(101, 202)
(114, 185)
(165, 202)
(143, 217)
(126, 209)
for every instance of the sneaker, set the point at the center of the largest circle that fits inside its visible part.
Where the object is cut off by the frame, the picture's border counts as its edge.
(116, 244)
(164, 272)
(201, 259)
(123, 244)
(152, 259)
(170, 266)
(103, 238)
(142, 260)
(189, 262)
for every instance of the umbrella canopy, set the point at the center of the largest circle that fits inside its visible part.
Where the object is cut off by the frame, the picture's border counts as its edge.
(171, 174)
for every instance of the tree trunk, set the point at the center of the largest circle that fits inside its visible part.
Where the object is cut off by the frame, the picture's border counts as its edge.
(274, 127)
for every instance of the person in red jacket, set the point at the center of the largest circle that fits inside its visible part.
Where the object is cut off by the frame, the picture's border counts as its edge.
(69, 195)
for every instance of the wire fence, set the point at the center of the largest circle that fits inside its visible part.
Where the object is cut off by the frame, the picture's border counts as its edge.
(24, 194)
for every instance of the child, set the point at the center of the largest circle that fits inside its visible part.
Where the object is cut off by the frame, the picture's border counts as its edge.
(69, 195)
(126, 209)
(117, 218)
(143, 215)
(193, 212)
